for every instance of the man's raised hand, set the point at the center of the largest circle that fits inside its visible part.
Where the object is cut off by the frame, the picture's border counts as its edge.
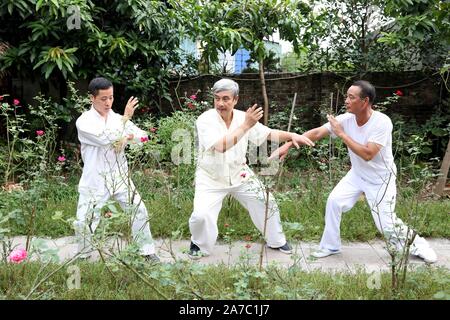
(132, 104)
(335, 126)
(252, 115)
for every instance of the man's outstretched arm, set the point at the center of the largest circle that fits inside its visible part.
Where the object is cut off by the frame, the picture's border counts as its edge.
(294, 138)
(313, 135)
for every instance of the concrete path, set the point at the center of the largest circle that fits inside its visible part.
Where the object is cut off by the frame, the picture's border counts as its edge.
(370, 256)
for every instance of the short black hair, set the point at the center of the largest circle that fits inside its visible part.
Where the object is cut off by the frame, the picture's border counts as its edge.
(97, 84)
(367, 90)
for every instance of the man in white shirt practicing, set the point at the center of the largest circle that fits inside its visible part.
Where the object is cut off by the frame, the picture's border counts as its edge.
(103, 135)
(368, 136)
(223, 134)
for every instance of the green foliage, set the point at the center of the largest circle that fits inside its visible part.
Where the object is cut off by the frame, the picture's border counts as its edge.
(293, 62)
(414, 144)
(131, 42)
(64, 59)
(229, 25)
(186, 281)
(361, 36)
(422, 29)
(271, 63)
(176, 130)
(170, 206)
(30, 147)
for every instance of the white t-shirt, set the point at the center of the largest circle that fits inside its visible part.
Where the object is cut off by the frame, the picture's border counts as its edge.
(221, 170)
(103, 169)
(378, 130)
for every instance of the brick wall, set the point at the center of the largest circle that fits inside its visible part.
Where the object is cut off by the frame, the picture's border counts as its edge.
(422, 92)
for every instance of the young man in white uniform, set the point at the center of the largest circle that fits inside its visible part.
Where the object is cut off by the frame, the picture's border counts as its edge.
(223, 135)
(103, 135)
(368, 136)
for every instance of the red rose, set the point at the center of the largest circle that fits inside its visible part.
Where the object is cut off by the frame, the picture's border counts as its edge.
(398, 93)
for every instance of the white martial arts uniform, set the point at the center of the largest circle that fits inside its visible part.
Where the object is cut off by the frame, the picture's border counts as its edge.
(376, 178)
(219, 174)
(105, 175)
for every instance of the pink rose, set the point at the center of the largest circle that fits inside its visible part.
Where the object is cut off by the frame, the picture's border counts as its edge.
(61, 158)
(108, 214)
(16, 102)
(17, 256)
(144, 139)
(39, 132)
(153, 129)
(191, 106)
(193, 97)
(243, 174)
(248, 245)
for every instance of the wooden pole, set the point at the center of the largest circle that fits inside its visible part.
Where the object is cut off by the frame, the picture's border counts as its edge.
(441, 181)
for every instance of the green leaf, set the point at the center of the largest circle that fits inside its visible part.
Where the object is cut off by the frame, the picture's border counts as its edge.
(48, 70)
(39, 4)
(39, 64)
(426, 150)
(59, 63)
(56, 3)
(57, 215)
(439, 132)
(112, 208)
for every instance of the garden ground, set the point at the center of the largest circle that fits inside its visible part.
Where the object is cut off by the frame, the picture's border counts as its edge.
(369, 256)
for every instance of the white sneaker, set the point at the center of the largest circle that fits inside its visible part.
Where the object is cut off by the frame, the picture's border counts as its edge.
(322, 253)
(427, 254)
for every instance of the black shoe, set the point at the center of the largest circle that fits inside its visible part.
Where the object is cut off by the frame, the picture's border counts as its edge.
(84, 258)
(194, 252)
(152, 258)
(286, 248)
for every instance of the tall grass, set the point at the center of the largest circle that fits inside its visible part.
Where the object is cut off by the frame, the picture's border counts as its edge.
(301, 198)
(185, 280)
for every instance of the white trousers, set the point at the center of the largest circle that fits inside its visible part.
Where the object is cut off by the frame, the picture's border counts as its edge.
(251, 195)
(88, 218)
(381, 199)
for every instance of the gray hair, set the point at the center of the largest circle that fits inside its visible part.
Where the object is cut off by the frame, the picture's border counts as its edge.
(226, 85)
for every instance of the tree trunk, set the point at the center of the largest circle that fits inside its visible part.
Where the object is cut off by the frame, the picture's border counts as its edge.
(441, 181)
(264, 91)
